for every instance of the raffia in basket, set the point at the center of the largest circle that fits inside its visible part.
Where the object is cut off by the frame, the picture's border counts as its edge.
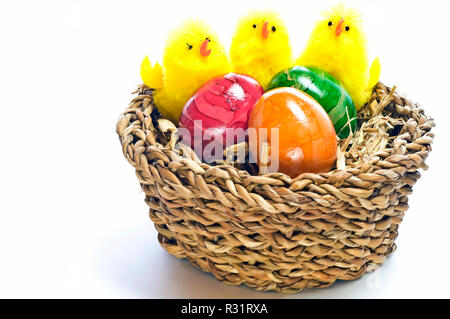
(272, 232)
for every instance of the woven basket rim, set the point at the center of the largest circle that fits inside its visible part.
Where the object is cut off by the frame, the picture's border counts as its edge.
(412, 109)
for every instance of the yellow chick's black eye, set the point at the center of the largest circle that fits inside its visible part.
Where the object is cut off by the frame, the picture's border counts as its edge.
(347, 28)
(274, 29)
(330, 23)
(208, 39)
(254, 26)
(189, 46)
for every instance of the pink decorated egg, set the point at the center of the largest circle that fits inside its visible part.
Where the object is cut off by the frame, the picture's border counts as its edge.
(217, 115)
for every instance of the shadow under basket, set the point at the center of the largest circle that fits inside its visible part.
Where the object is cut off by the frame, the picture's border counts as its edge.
(272, 232)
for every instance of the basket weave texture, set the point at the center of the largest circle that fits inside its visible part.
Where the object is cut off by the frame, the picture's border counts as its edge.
(272, 232)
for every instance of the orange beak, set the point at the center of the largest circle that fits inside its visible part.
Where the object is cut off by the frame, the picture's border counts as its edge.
(204, 51)
(265, 32)
(339, 27)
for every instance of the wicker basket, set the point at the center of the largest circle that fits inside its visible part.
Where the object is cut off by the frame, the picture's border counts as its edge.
(272, 232)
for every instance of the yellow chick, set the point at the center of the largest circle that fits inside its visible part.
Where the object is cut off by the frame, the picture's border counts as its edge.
(260, 46)
(192, 55)
(337, 45)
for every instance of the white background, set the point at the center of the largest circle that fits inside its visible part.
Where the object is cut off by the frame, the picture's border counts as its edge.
(73, 222)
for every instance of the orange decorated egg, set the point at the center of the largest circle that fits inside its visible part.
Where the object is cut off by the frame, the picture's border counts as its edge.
(306, 137)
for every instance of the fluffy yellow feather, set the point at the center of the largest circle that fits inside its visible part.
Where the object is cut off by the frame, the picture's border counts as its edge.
(337, 45)
(260, 46)
(192, 55)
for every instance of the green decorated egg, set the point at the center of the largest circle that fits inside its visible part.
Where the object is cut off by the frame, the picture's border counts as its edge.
(326, 90)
